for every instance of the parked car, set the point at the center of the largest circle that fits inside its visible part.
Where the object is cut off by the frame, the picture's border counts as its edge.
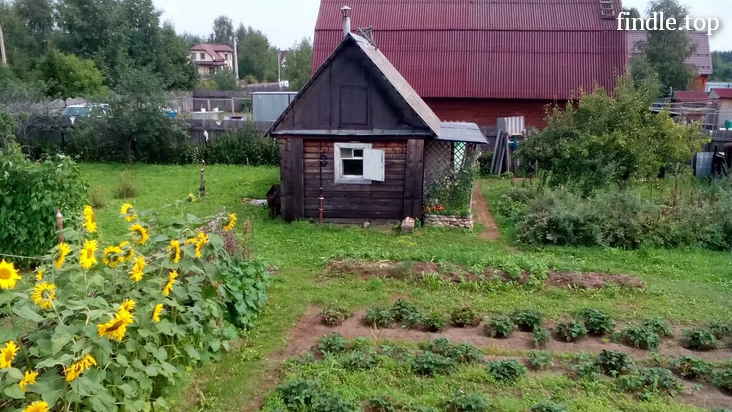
(78, 111)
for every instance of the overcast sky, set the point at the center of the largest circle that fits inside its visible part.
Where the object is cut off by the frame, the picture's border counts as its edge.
(287, 21)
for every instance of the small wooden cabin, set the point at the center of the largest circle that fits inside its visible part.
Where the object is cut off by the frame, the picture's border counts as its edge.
(361, 133)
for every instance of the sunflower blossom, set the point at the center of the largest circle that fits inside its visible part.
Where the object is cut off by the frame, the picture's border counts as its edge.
(169, 286)
(43, 295)
(115, 329)
(127, 305)
(37, 406)
(157, 312)
(201, 241)
(78, 367)
(90, 221)
(28, 379)
(8, 275)
(139, 233)
(128, 212)
(61, 251)
(138, 270)
(7, 354)
(232, 222)
(113, 256)
(129, 251)
(39, 274)
(174, 250)
(86, 256)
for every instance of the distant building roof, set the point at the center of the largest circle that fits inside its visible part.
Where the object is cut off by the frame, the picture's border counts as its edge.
(701, 59)
(721, 94)
(691, 97)
(213, 50)
(521, 49)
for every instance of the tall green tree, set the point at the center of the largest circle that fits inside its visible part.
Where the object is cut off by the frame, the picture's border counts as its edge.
(20, 46)
(297, 65)
(223, 31)
(66, 75)
(256, 56)
(721, 66)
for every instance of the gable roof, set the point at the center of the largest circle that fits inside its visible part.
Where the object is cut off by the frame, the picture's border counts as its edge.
(391, 75)
(691, 97)
(527, 49)
(213, 50)
(721, 94)
(701, 59)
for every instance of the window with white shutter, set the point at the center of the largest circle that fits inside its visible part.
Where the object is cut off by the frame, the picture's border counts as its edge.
(373, 164)
(358, 163)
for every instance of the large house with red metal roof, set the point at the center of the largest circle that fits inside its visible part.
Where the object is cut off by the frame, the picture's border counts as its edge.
(478, 60)
(210, 58)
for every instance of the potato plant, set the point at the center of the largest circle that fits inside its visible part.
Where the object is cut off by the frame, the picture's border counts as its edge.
(464, 316)
(467, 402)
(498, 327)
(598, 323)
(379, 318)
(612, 362)
(641, 337)
(699, 339)
(571, 331)
(527, 320)
(690, 367)
(506, 370)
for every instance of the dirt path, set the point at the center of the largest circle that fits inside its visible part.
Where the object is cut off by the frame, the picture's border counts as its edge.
(483, 215)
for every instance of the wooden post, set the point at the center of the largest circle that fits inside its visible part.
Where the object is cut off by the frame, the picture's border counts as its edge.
(202, 187)
(60, 225)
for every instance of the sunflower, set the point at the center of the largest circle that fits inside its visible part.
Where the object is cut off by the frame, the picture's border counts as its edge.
(43, 295)
(61, 250)
(157, 312)
(138, 270)
(7, 354)
(231, 224)
(90, 221)
(169, 286)
(86, 257)
(117, 326)
(78, 367)
(127, 305)
(37, 406)
(113, 256)
(191, 198)
(8, 275)
(28, 379)
(201, 241)
(128, 211)
(139, 233)
(39, 274)
(174, 250)
(129, 252)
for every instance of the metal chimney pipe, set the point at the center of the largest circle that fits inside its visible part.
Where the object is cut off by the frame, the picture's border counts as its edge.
(346, 13)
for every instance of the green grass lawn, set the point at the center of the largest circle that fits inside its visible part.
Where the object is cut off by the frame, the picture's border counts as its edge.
(684, 286)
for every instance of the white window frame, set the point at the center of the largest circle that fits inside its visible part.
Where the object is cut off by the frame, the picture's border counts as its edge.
(338, 166)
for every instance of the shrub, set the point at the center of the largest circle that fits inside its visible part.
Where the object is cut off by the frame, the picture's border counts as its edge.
(571, 331)
(612, 362)
(407, 313)
(467, 402)
(430, 364)
(334, 315)
(597, 322)
(333, 343)
(723, 379)
(126, 187)
(506, 370)
(119, 330)
(658, 325)
(539, 360)
(379, 318)
(464, 353)
(484, 163)
(720, 330)
(699, 339)
(690, 367)
(541, 336)
(245, 285)
(358, 360)
(649, 382)
(435, 322)
(641, 337)
(499, 327)
(584, 367)
(31, 193)
(464, 316)
(299, 394)
(244, 146)
(527, 320)
(97, 197)
(547, 406)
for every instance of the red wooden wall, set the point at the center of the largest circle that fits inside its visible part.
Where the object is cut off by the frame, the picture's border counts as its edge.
(485, 112)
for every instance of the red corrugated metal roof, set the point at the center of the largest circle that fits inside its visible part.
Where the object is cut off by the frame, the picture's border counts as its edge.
(723, 93)
(690, 97)
(531, 49)
(701, 59)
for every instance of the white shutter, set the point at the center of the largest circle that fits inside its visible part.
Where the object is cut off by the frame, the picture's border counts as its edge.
(373, 164)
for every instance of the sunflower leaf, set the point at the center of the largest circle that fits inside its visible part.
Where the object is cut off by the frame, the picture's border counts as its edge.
(26, 312)
(14, 392)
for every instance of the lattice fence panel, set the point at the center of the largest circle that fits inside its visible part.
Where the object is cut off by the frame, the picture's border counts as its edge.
(443, 160)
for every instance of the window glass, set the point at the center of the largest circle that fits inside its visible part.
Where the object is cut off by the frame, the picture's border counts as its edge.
(357, 152)
(347, 153)
(352, 167)
(203, 56)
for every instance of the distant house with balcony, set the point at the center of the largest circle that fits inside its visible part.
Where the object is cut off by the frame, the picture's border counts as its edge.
(211, 58)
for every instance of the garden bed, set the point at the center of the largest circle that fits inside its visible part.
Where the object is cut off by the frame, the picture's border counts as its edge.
(416, 270)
